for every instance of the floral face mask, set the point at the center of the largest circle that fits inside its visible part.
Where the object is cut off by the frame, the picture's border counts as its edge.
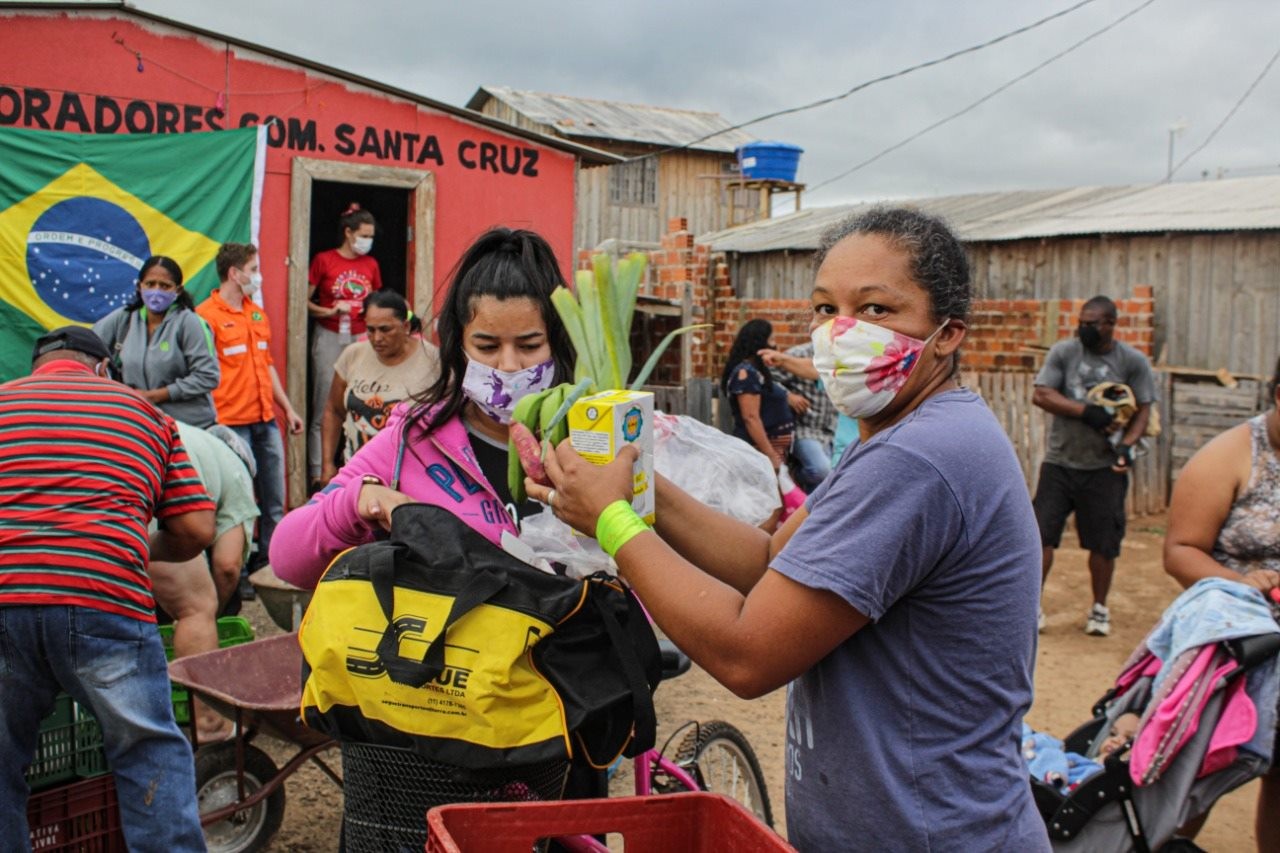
(863, 366)
(496, 392)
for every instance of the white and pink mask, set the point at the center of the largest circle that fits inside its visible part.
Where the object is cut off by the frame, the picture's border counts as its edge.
(863, 366)
(496, 392)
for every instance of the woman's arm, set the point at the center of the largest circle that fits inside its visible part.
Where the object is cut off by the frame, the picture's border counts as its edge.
(319, 311)
(732, 551)
(752, 643)
(749, 411)
(802, 367)
(1202, 497)
(340, 516)
(335, 411)
(203, 373)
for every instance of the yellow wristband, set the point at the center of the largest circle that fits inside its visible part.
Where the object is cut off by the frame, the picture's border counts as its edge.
(617, 525)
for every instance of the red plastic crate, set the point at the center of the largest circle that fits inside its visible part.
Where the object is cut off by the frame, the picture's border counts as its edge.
(82, 816)
(668, 823)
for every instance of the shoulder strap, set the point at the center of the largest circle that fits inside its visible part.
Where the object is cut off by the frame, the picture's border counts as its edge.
(114, 339)
(119, 334)
(625, 643)
(480, 588)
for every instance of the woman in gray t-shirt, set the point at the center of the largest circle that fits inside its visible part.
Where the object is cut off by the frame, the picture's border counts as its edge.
(900, 603)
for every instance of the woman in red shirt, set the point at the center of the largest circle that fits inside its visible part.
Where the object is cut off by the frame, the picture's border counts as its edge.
(340, 281)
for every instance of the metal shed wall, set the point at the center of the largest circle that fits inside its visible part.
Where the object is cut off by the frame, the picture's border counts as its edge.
(1217, 294)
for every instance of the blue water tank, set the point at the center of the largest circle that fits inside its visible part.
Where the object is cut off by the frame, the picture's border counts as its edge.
(769, 161)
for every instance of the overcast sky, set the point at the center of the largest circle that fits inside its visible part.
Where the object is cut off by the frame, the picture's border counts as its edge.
(1100, 115)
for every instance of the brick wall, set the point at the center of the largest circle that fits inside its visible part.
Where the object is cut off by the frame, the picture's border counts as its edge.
(1004, 334)
(1012, 334)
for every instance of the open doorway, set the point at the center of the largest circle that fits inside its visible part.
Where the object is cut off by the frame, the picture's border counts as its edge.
(403, 203)
(390, 207)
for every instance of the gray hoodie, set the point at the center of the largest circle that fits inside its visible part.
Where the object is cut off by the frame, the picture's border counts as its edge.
(179, 356)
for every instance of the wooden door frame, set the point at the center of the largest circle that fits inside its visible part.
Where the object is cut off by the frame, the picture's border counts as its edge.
(419, 288)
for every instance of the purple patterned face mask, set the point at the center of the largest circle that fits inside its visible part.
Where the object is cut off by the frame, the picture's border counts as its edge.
(158, 301)
(496, 392)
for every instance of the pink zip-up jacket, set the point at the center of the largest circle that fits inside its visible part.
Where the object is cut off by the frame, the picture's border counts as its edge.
(439, 469)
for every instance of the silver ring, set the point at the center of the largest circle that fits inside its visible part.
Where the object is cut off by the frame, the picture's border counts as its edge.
(551, 499)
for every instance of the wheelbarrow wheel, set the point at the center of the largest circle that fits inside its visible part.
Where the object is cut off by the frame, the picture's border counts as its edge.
(250, 829)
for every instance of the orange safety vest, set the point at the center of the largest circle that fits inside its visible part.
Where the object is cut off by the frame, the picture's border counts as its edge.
(243, 341)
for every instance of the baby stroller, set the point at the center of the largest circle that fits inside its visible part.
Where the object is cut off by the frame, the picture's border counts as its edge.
(1204, 685)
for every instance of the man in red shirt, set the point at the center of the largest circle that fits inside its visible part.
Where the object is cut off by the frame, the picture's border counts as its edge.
(84, 465)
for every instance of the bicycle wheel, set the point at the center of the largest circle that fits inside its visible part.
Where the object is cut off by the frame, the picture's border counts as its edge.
(721, 758)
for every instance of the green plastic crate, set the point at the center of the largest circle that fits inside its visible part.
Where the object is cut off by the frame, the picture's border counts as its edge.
(68, 747)
(232, 631)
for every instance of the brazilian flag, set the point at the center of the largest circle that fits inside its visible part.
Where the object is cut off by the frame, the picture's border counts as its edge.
(79, 213)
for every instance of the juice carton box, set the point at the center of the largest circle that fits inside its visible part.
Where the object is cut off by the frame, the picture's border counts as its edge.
(601, 424)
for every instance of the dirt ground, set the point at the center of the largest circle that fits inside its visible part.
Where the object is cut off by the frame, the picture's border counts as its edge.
(1072, 671)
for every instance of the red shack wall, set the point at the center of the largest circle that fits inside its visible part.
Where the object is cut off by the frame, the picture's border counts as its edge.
(89, 54)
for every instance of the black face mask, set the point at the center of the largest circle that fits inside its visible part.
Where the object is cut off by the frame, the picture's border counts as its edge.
(1089, 336)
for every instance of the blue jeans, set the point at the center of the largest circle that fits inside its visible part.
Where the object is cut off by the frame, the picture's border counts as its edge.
(268, 452)
(813, 462)
(114, 666)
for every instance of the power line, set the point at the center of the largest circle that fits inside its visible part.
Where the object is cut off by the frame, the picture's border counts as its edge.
(974, 105)
(867, 84)
(1231, 112)
(1095, 202)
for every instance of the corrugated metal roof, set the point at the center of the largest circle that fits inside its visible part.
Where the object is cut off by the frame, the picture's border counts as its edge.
(586, 118)
(1228, 205)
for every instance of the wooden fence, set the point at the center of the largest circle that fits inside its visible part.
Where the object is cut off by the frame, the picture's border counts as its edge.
(1009, 397)
(692, 399)
(1203, 407)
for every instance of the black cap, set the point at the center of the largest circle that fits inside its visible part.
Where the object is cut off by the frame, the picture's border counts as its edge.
(76, 338)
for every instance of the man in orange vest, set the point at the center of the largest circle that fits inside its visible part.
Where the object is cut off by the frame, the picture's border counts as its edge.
(250, 388)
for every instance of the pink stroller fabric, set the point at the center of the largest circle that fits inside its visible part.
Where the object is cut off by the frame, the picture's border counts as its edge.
(1175, 716)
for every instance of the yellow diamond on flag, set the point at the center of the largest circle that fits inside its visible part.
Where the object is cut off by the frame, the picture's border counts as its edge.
(82, 240)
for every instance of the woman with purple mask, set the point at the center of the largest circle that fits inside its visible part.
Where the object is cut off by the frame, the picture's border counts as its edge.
(161, 347)
(500, 339)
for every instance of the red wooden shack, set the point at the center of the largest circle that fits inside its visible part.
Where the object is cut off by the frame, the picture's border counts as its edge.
(434, 175)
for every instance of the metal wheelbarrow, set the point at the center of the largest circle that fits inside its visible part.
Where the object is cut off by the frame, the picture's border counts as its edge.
(258, 685)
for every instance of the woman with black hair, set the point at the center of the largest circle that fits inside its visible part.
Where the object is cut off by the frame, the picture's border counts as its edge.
(373, 376)
(340, 280)
(161, 347)
(1224, 517)
(761, 413)
(500, 339)
(898, 605)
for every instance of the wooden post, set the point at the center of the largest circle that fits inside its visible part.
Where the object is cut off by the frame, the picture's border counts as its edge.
(686, 340)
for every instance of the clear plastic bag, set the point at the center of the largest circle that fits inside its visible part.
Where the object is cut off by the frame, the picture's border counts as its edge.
(721, 471)
(551, 539)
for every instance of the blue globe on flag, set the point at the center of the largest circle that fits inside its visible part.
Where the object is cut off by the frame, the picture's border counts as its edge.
(83, 257)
